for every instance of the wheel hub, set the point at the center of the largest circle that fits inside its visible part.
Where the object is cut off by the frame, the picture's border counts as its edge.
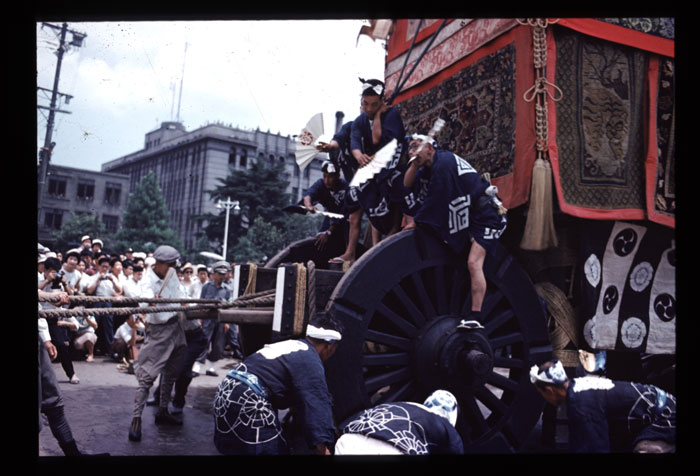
(450, 357)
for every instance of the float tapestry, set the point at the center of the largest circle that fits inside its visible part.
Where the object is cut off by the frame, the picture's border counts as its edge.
(478, 107)
(600, 124)
(628, 287)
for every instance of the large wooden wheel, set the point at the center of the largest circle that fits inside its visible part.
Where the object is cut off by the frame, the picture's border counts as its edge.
(400, 305)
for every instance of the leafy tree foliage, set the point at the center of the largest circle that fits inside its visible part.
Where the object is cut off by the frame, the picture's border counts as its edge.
(260, 190)
(146, 221)
(77, 226)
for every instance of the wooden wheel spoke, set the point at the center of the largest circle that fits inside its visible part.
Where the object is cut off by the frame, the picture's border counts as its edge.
(399, 358)
(502, 382)
(388, 339)
(457, 295)
(422, 294)
(402, 393)
(504, 340)
(373, 384)
(491, 401)
(408, 304)
(494, 322)
(398, 321)
(473, 414)
(508, 362)
(441, 290)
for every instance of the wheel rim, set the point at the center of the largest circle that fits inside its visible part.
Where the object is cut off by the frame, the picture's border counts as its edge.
(403, 341)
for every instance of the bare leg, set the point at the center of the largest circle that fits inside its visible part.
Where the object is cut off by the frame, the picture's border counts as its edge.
(376, 235)
(355, 220)
(475, 263)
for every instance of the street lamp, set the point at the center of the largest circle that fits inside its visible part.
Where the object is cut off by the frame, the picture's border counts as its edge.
(228, 205)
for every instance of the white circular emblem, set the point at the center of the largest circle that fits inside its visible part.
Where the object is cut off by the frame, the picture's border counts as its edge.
(633, 332)
(641, 276)
(592, 270)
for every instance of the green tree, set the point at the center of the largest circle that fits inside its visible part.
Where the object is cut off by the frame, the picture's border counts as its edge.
(261, 193)
(145, 224)
(77, 226)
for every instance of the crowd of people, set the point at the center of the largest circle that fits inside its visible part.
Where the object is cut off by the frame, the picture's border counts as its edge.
(89, 271)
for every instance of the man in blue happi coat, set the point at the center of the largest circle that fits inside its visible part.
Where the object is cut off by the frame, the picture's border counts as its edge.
(287, 374)
(445, 194)
(330, 191)
(341, 157)
(603, 413)
(404, 428)
(376, 126)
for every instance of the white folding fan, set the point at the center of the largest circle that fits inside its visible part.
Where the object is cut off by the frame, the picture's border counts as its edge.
(306, 141)
(380, 160)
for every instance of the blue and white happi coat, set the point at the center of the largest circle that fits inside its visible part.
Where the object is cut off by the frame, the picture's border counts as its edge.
(409, 427)
(281, 375)
(597, 406)
(449, 198)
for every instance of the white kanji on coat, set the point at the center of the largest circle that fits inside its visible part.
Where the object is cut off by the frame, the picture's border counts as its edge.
(463, 166)
(459, 214)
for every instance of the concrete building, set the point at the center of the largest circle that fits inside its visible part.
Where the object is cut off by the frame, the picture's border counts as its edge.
(188, 164)
(69, 190)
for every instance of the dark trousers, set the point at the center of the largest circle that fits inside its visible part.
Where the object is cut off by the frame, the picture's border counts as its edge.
(50, 401)
(214, 332)
(60, 336)
(105, 329)
(196, 344)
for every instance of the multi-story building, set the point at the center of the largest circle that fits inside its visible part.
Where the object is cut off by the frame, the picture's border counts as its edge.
(70, 190)
(188, 164)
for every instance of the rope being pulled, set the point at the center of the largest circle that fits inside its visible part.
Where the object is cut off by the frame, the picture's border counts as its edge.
(263, 298)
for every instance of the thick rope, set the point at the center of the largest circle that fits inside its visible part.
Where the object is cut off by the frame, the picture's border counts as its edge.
(263, 298)
(541, 89)
(252, 279)
(561, 320)
(311, 291)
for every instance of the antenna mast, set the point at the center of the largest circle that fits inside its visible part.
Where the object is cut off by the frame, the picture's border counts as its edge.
(182, 77)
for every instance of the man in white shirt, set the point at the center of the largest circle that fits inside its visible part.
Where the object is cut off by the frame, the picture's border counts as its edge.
(104, 284)
(164, 347)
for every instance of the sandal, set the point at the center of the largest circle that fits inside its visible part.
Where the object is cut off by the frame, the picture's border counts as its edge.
(74, 379)
(337, 259)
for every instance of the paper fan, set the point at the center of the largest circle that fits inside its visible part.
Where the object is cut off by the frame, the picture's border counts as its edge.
(306, 141)
(380, 161)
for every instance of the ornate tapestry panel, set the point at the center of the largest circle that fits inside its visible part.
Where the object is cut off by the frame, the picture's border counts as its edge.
(664, 200)
(478, 106)
(600, 126)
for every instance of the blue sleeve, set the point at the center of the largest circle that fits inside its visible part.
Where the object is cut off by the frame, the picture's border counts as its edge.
(313, 400)
(392, 128)
(433, 211)
(356, 133)
(315, 191)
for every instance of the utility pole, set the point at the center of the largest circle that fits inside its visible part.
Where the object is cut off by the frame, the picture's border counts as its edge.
(47, 149)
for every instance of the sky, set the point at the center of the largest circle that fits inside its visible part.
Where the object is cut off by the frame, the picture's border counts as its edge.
(129, 77)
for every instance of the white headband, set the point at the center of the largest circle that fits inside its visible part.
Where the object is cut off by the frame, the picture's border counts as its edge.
(321, 333)
(423, 138)
(377, 88)
(328, 166)
(554, 374)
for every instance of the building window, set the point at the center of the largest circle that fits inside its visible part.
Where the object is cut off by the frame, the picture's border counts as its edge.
(296, 170)
(111, 223)
(57, 187)
(244, 159)
(86, 190)
(112, 193)
(53, 218)
(232, 158)
(307, 171)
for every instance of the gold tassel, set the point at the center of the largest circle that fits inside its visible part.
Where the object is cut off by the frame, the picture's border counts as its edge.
(539, 231)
